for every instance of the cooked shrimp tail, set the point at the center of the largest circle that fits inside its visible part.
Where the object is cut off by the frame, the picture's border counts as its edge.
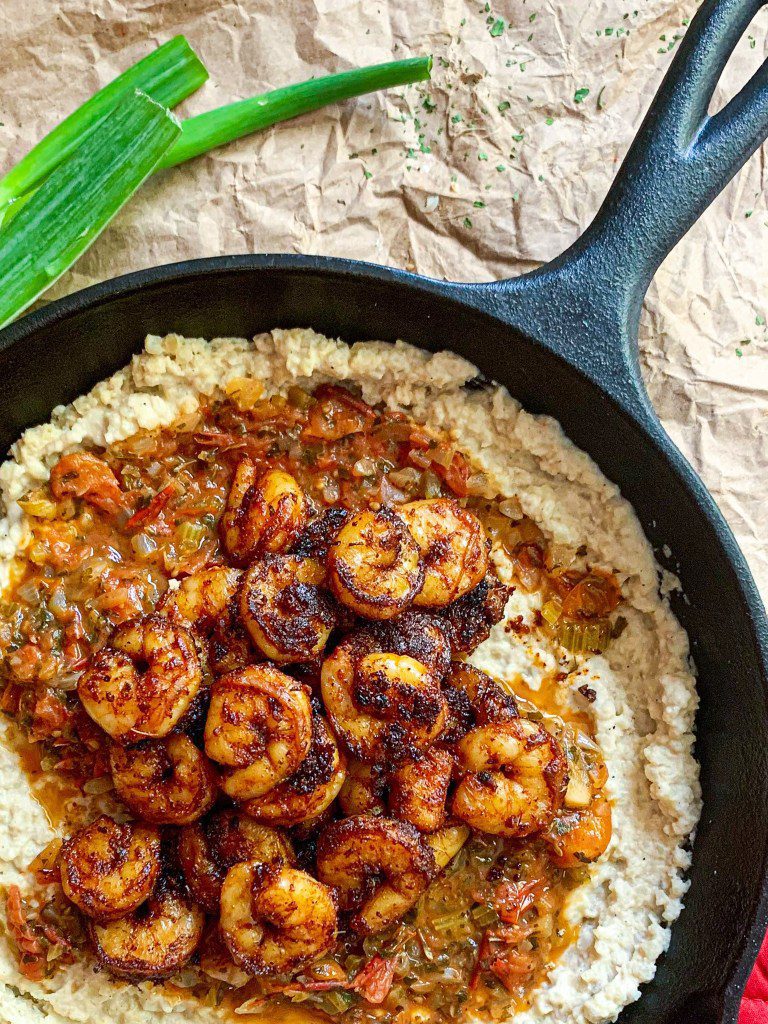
(155, 940)
(374, 564)
(108, 870)
(374, 863)
(143, 681)
(274, 917)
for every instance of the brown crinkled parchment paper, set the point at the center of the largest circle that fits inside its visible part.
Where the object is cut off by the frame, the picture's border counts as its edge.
(491, 169)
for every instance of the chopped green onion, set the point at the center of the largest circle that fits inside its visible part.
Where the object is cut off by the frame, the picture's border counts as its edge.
(76, 201)
(225, 124)
(13, 207)
(217, 127)
(169, 74)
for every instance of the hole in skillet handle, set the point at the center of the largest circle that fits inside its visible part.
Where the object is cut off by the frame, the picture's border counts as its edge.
(585, 305)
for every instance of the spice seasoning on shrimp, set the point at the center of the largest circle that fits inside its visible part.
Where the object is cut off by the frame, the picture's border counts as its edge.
(265, 614)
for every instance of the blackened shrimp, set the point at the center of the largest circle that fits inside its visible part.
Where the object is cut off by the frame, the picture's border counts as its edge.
(155, 940)
(418, 789)
(274, 917)
(143, 681)
(453, 545)
(109, 869)
(488, 700)
(469, 620)
(208, 849)
(375, 864)
(444, 844)
(316, 539)
(419, 635)
(266, 511)
(364, 789)
(515, 776)
(167, 782)
(202, 601)
(230, 647)
(286, 609)
(381, 704)
(206, 603)
(374, 564)
(259, 725)
(310, 790)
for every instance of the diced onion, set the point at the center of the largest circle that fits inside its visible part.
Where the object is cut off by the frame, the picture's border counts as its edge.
(143, 544)
(94, 787)
(578, 795)
(67, 681)
(431, 483)
(477, 483)
(186, 978)
(442, 456)
(300, 398)
(406, 479)
(391, 494)
(331, 491)
(511, 508)
(29, 592)
(244, 392)
(46, 859)
(364, 467)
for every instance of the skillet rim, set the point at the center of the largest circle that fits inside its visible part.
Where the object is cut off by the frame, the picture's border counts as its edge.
(469, 296)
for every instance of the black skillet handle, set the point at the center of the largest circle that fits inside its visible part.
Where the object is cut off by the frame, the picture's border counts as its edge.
(586, 304)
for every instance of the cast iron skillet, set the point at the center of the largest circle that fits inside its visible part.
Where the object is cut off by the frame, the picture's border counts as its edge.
(563, 340)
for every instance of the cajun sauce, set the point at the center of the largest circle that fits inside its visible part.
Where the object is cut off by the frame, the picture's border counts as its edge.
(109, 532)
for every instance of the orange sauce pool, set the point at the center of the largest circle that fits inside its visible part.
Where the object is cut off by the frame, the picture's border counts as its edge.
(50, 790)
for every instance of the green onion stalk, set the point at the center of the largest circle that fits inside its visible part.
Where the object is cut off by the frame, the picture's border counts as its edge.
(169, 74)
(62, 194)
(226, 124)
(78, 199)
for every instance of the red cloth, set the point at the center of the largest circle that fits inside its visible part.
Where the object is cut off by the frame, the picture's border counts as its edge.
(754, 1006)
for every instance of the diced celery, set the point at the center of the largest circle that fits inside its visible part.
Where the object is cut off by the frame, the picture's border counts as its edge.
(450, 922)
(584, 637)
